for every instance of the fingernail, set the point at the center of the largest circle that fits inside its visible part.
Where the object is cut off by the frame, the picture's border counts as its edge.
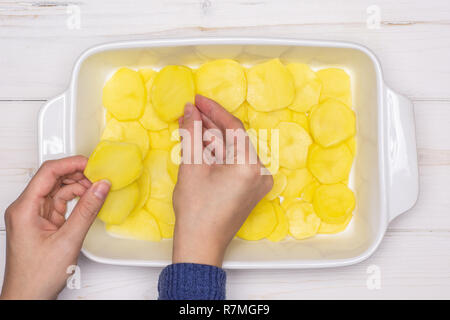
(188, 108)
(101, 189)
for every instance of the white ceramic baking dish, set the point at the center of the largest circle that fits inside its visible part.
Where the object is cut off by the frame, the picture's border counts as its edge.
(384, 175)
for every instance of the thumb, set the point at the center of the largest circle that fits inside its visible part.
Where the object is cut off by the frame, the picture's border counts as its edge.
(86, 210)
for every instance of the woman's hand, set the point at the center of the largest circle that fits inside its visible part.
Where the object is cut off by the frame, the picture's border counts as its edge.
(212, 201)
(41, 244)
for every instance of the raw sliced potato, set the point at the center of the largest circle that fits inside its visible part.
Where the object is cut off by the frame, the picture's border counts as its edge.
(335, 84)
(307, 87)
(332, 123)
(172, 88)
(270, 86)
(330, 228)
(140, 224)
(242, 112)
(333, 203)
(161, 210)
(118, 162)
(294, 144)
(161, 186)
(223, 81)
(108, 116)
(309, 190)
(161, 139)
(330, 165)
(166, 229)
(147, 74)
(124, 95)
(260, 223)
(303, 221)
(297, 180)
(119, 204)
(279, 184)
(144, 184)
(150, 120)
(351, 144)
(267, 120)
(301, 119)
(282, 229)
(127, 131)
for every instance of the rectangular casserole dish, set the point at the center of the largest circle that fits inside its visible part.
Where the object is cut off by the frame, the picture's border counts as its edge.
(384, 176)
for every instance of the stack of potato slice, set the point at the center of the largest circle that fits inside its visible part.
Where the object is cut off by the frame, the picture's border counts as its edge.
(310, 153)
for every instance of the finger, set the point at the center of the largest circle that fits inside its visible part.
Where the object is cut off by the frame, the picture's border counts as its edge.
(84, 213)
(65, 194)
(57, 219)
(51, 172)
(191, 133)
(217, 114)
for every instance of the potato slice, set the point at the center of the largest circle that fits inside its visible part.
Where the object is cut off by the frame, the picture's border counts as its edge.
(166, 229)
(270, 86)
(331, 123)
(119, 204)
(108, 116)
(297, 180)
(242, 112)
(279, 183)
(127, 131)
(267, 120)
(144, 188)
(330, 165)
(335, 84)
(330, 228)
(301, 119)
(223, 81)
(161, 187)
(308, 191)
(260, 223)
(286, 202)
(294, 144)
(351, 144)
(261, 146)
(161, 139)
(333, 203)
(303, 222)
(161, 210)
(150, 120)
(172, 88)
(140, 224)
(124, 95)
(147, 74)
(307, 87)
(282, 229)
(119, 162)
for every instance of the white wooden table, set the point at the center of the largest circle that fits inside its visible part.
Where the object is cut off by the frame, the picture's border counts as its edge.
(38, 49)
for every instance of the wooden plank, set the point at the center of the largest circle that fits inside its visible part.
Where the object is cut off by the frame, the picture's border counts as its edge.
(412, 40)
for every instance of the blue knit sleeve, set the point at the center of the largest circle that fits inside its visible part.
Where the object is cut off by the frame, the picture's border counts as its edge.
(190, 281)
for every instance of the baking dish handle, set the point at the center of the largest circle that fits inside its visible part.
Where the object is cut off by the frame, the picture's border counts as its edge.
(401, 154)
(53, 129)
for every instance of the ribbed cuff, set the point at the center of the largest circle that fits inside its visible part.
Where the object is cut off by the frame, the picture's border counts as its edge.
(190, 281)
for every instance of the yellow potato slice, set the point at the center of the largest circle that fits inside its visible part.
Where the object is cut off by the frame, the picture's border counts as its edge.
(161, 187)
(335, 84)
(140, 225)
(270, 86)
(242, 112)
(119, 204)
(351, 144)
(161, 139)
(282, 229)
(279, 183)
(260, 223)
(267, 120)
(308, 191)
(303, 222)
(172, 88)
(333, 203)
(294, 144)
(108, 116)
(223, 81)
(261, 146)
(286, 202)
(119, 162)
(124, 94)
(331, 123)
(144, 188)
(330, 165)
(150, 120)
(166, 229)
(307, 87)
(161, 210)
(147, 74)
(127, 131)
(330, 228)
(301, 119)
(297, 180)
